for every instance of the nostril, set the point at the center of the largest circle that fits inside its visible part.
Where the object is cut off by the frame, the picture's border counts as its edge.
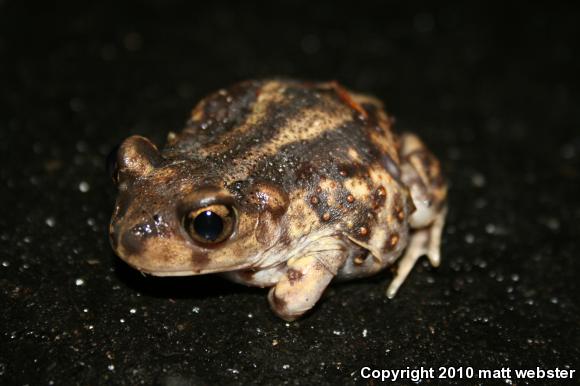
(132, 242)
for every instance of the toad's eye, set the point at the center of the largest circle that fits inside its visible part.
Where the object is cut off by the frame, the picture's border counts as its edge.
(210, 225)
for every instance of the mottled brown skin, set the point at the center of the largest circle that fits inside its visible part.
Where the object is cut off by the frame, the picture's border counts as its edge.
(320, 186)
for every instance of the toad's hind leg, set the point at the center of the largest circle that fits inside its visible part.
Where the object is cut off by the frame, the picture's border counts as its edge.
(421, 173)
(426, 241)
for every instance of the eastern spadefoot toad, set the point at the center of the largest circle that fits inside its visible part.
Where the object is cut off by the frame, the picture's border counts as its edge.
(282, 184)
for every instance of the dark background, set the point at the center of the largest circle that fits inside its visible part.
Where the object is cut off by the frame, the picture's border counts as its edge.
(493, 90)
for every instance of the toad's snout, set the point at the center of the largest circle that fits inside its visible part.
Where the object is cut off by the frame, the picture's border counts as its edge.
(157, 245)
(131, 238)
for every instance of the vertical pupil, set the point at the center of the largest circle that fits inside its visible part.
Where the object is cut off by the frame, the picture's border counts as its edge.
(208, 225)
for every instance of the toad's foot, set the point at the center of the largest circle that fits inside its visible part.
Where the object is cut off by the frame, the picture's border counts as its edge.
(306, 279)
(424, 241)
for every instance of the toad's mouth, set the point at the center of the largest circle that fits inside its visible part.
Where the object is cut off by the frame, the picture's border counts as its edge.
(169, 273)
(172, 272)
(175, 272)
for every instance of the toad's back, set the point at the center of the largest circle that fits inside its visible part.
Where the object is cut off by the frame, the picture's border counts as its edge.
(318, 142)
(263, 128)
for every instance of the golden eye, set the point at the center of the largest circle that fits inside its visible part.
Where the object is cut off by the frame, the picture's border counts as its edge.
(210, 225)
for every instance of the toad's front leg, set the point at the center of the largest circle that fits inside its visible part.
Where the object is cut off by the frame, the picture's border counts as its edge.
(306, 279)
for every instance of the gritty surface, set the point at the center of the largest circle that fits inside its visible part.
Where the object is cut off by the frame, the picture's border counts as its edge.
(493, 93)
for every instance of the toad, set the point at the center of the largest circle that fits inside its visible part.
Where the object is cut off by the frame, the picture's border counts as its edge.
(281, 184)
